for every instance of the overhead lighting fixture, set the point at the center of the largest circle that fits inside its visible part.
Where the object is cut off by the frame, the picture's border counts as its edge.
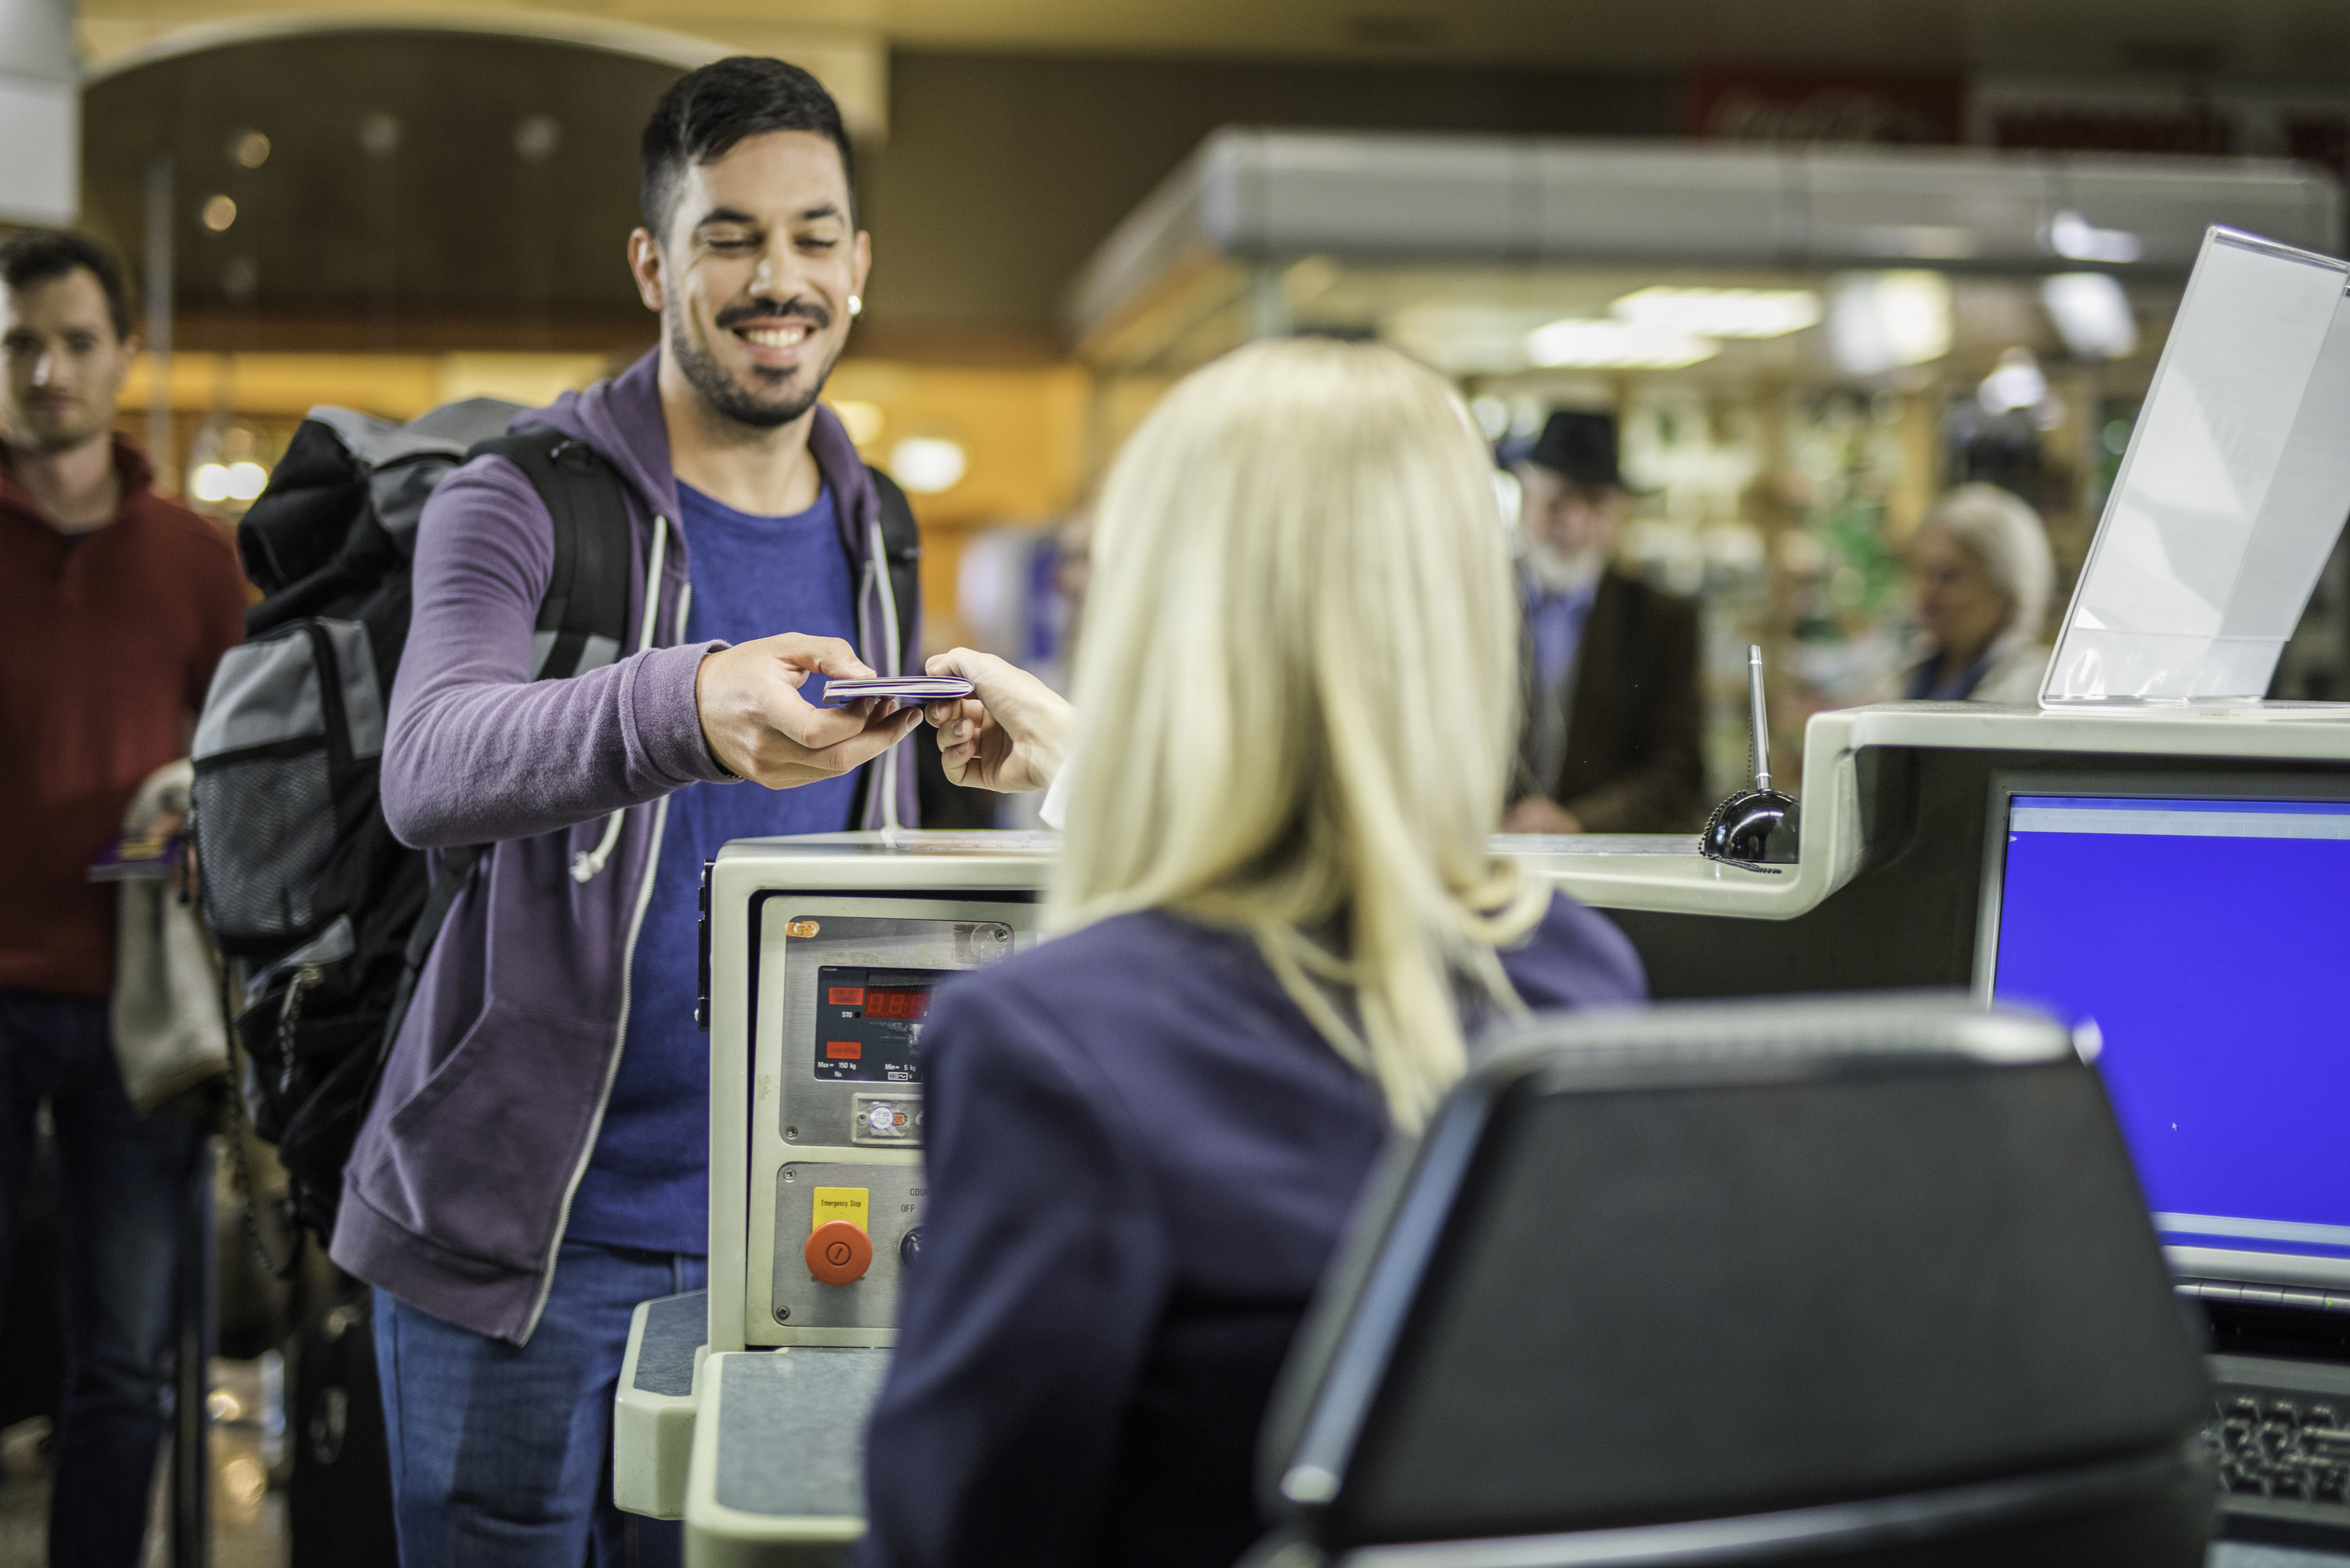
(927, 465)
(1720, 312)
(1595, 344)
(2017, 383)
(2092, 315)
(381, 133)
(2071, 234)
(536, 136)
(1879, 321)
(1922, 242)
(216, 482)
(218, 213)
(249, 148)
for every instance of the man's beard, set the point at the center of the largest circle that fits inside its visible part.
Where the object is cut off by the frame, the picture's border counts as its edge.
(49, 437)
(1563, 571)
(730, 397)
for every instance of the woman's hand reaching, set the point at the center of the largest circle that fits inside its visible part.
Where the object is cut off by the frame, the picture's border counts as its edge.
(1009, 736)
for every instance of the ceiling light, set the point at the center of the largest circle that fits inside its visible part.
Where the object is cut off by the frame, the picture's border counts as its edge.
(381, 133)
(1720, 312)
(2017, 383)
(219, 213)
(537, 136)
(249, 148)
(1464, 340)
(927, 465)
(210, 482)
(1881, 320)
(2092, 315)
(1590, 343)
(246, 481)
(2071, 234)
(1924, 242)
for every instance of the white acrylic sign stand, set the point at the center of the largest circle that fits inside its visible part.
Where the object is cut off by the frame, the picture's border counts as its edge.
(2235, 485)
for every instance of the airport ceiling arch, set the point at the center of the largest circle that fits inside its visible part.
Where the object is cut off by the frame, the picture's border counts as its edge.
(462, 169)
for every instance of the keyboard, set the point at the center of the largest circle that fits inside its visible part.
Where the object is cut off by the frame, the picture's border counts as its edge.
(2280, 1447)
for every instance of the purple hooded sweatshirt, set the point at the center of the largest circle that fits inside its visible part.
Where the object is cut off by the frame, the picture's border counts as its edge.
(458, 1189)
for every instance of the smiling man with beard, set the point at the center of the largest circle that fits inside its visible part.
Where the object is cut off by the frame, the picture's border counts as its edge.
(534, 1162)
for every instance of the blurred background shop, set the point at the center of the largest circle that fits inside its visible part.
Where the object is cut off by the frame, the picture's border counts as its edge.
(388, 217)
(1822, 261)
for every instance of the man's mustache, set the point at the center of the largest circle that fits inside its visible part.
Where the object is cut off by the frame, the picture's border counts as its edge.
(808, 310)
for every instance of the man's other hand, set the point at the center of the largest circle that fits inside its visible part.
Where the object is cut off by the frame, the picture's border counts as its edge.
(1009, 736)
(757, 724)
(1539, 814)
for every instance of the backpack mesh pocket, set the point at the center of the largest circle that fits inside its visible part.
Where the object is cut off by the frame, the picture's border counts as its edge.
(276, 809)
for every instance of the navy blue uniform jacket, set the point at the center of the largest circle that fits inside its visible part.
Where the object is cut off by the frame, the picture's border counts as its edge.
(1140, 1157)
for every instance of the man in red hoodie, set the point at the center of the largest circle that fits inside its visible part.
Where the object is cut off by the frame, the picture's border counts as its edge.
(115, 604)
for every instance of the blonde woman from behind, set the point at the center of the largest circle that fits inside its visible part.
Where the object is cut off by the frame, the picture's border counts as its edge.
(1278, 926)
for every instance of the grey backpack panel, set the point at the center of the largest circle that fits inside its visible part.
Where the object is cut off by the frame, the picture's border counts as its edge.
(407, 462)
(271, 690)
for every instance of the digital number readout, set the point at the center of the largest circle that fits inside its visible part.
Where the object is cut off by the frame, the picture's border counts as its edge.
(880, 1003)
(869, 1021)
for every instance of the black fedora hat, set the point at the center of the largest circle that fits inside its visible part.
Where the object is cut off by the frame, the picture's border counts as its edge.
(1580, 447)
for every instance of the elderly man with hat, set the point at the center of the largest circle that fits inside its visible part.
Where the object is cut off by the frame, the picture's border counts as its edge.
(1613, 717)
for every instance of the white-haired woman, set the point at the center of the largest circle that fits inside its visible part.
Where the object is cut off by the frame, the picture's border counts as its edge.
(1980, 579)
(1279, 924)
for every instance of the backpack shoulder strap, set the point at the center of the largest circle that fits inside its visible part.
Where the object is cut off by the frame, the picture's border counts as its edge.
(583, 621)
(902, 542)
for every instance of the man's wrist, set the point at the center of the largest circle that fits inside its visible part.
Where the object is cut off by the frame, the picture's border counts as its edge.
(708, 743)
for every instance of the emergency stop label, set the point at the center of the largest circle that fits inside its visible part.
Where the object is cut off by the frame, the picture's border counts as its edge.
(850, 1203)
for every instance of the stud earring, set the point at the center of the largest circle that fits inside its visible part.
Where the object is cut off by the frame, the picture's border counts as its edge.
(856, 305)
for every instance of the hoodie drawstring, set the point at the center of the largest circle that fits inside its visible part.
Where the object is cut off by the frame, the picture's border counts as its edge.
(889, 780)
(588, 863)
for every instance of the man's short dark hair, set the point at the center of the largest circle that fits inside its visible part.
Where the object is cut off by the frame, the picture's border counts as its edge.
(706, 112)
(37, 255)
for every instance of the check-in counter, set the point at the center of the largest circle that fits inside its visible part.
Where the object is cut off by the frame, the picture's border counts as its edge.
(821, 952)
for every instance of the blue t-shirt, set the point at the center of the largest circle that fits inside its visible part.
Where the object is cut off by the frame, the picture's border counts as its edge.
(648, 1184)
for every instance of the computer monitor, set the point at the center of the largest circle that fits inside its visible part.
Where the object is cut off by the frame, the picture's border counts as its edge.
(2196, 933)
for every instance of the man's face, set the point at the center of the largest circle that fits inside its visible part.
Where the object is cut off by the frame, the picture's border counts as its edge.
(753, 278)
(66, 366)
(1570, 521)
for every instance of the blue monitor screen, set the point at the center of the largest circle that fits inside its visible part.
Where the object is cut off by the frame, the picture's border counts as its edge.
(2208, 944)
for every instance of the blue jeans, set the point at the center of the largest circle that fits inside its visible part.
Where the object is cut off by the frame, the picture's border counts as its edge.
(502, 1456)
(122, 1190)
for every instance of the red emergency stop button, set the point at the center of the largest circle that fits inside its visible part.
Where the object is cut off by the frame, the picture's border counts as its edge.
(840, 1252)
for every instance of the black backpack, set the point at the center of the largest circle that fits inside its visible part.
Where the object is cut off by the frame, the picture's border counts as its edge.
(329, 916)
(302, 881)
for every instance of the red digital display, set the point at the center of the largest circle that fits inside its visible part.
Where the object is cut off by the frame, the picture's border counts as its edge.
(880, 1003)
(869, 1022)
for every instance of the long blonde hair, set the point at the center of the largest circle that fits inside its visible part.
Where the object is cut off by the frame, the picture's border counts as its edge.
(1297, 695)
